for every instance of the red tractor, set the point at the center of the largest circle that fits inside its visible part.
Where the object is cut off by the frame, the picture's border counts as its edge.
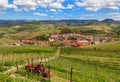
(40, 70)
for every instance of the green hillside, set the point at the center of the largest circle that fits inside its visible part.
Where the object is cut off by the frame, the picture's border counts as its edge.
(22, 31)
(111, 46)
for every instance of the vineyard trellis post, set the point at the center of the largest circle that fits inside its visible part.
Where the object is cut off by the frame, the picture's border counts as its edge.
(28, 61)
(32, 61)
(16, 65)
(2, 59)
(71, 73)
(67, 72)
(14, 57)
(49, 73)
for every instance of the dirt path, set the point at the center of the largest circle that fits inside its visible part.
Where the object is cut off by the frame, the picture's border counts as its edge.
(12, 69)
(58, 79)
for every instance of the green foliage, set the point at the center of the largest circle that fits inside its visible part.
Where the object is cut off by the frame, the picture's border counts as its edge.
(28, 49)
(42, 37)
(72, 38)
(3, 68)
(83, 71)
(110, 46)
(92, 32)
(76, 30)
(65, 30)
(98, 63)
(7, 63)
(1, 35)
(88, 65)
(7, 78)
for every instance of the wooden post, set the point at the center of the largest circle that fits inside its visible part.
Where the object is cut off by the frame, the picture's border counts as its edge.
(32, 61)
(28, 61)
(71, 74)
(16, 66)
(2, 60)
(13, 58)
(49, 74)
(67, 72)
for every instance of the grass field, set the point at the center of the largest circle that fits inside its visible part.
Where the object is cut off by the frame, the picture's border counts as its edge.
(98, 63)
(111, 46)
(88, 65)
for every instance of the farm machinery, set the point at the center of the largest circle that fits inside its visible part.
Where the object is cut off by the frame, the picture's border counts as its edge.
(39, 70)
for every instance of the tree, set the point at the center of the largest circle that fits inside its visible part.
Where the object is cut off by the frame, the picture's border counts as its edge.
(65, 30)
(42, 37)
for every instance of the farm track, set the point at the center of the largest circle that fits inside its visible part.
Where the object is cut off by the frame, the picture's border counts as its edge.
(58, 79)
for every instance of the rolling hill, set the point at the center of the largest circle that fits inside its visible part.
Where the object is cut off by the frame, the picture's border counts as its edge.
(23, 28)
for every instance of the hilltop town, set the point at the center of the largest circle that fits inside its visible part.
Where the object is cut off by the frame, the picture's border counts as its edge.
(67, 40)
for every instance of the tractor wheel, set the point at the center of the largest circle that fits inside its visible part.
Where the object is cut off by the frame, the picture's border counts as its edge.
(31, 70)
(27, 69)
(38, 72)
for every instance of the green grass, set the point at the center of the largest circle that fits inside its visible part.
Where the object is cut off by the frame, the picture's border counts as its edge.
(85, 70)
(8, 78)
(28, 49)
(31, 76)
(89, 65)
(3, 68)
(8, 40)
(110, 46)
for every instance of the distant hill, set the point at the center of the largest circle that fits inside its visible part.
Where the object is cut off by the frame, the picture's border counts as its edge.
(110, 21)
(7, 23)
(18, 29)
(73, 22)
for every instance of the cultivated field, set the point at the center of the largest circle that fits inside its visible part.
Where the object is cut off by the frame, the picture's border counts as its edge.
(98, 63)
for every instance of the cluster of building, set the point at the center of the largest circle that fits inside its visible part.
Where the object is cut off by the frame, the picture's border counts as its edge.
(70, 40)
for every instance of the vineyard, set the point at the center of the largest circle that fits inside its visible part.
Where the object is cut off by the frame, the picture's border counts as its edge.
(88, 64)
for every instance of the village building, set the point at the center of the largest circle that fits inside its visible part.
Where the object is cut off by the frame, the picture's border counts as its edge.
(69, 40)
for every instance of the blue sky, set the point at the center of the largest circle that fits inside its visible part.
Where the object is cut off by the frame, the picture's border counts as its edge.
(59, 9)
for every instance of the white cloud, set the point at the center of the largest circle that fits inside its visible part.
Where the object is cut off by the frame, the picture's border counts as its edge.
(95, 5)
(40, 14)
(44, 3)
(56, 5)
(70, 6)
(4, 5)
(60, 1)
(116, 17)
(53, 10)
(17, 9)
(59, 10)
(116, 13)
(27, 4)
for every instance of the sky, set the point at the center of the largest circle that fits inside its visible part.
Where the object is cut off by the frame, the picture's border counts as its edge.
(59, 9)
